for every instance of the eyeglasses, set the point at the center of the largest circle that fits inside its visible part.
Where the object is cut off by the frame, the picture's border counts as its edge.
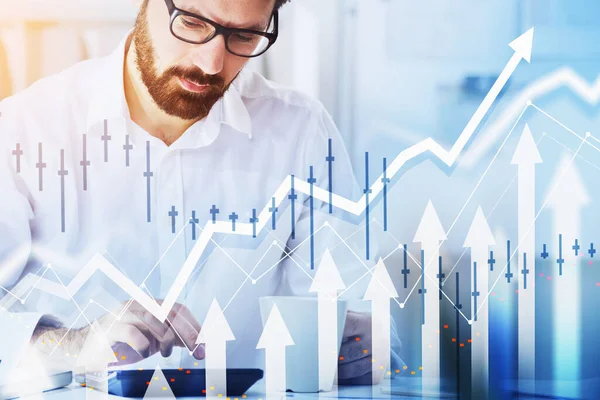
(195, 29)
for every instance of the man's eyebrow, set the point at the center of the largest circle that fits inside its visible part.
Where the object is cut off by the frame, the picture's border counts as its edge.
(255, 27)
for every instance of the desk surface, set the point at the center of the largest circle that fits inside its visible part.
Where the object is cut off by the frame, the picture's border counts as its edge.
(256, 392)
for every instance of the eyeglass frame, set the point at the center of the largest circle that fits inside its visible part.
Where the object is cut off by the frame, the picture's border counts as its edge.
(175, 12)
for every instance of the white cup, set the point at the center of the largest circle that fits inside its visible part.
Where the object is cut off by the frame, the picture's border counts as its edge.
(300, 315)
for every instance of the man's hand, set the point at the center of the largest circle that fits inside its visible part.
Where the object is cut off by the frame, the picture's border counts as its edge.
(136, 335)
(354, 364)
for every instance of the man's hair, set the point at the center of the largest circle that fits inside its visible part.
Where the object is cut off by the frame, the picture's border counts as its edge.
(279, 3)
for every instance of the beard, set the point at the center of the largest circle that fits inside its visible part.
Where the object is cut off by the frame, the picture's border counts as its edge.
(164, 88)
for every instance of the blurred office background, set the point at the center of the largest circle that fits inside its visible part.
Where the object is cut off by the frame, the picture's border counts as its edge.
(391, 73)
(397, 70)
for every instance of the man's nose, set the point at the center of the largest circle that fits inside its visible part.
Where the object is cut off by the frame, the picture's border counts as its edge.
(210, 57)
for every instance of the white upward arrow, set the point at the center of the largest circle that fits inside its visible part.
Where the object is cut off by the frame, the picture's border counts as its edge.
(479, 239)
(380, 290)
(158, 387)
(274, 339)
(326, 283)
(215, 334)
(566, 201)
(94, 358)
(429, 233)
(525, 157)
(521, 46)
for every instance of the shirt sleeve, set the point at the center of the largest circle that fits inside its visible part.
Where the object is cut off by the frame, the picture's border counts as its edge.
(16, 332)
(16, 210)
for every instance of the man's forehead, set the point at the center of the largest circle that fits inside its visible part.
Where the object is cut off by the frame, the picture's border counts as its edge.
(231, 13)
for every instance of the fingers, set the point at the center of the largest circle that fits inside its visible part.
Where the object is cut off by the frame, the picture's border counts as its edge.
(180, 329)
(357, 324)
(182, 321)
(154, 330)
(166, 345)
(159, 329)
(353, 350)
(139, 322)
(129, 334)
(135, 320)
(355, 369)
(185, 313)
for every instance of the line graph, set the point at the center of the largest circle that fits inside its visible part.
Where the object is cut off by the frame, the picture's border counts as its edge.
(522, 50)
(563, 77)
(63, 291)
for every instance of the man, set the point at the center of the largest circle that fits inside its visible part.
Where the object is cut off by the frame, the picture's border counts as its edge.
(126, 155)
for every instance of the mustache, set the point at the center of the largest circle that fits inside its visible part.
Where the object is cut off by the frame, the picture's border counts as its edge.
(196, 76)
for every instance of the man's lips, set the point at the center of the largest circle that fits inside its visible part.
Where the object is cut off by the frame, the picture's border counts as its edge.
(191, 86)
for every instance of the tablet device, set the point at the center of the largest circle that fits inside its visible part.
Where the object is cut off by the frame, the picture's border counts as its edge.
(183, 382)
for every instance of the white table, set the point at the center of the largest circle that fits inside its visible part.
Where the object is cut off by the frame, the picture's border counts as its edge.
(256, 392)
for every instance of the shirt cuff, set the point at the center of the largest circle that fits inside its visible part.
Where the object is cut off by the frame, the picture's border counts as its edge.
(16, 330)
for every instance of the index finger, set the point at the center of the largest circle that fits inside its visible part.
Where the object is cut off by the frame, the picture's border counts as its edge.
(184, 326)
(185, 312)
(135, 310)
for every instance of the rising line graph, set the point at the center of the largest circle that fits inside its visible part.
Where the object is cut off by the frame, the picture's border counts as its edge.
(98, 263)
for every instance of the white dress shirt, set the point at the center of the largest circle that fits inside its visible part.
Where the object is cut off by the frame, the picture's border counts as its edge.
(79, 177)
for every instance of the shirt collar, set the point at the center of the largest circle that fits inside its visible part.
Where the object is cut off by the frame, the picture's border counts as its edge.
(233, 110)
(108, 100)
